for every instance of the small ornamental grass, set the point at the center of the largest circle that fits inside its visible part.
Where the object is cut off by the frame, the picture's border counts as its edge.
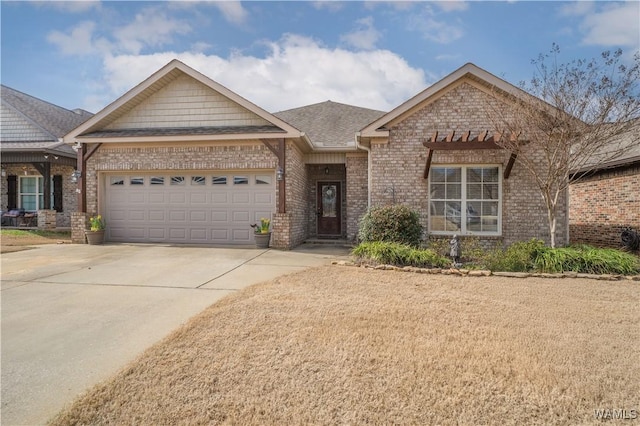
(534, 256)
(399, 254)
(586, 259)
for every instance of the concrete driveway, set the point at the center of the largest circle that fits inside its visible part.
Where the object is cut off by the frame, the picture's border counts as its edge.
(73, 315)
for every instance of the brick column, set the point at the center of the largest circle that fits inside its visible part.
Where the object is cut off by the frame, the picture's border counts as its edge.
(46, 219)
(281, 231)
(79, 223)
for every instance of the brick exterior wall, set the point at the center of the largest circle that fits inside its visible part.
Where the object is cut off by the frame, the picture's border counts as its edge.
(603, 204)
(79, 223)
(316, 173)
(357, 192)
(69, 196)
(398, 166)
(288, 230)
(297, 205)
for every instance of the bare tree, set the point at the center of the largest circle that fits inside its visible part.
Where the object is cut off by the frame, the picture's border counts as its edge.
(579, 115)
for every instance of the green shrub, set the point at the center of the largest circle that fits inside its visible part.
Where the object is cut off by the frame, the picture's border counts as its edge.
(518, 257)
(395, 223)
(399, 254)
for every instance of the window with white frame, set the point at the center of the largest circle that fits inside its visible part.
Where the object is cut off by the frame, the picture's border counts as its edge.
(465, 200)
(31, 193)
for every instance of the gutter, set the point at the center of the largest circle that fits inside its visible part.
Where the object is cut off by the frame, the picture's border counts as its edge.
(360, 146)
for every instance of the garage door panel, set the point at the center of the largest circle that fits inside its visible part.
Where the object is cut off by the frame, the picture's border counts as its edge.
(157, 197)
(117, 214)
(240, 198)
(241, 235)
(198, 198)
(219, 216)
(178, 234)
(262, 199)
(241, 216)
(220, 235)
(135, 215)
(157, 233)
(137, 198)
(177, 198)
(177, 215)
(156, 215)
(137, 233)
(198, 216)
(182, 213)
(219, 198)
(198, 234)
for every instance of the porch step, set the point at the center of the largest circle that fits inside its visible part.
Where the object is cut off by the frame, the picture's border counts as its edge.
(340, 242)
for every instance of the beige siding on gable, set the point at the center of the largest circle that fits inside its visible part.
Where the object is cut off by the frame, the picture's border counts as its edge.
(186, 102)
(17, 128)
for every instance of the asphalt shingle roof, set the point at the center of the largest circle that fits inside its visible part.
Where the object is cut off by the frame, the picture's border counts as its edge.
(37, 124)
(330, 124)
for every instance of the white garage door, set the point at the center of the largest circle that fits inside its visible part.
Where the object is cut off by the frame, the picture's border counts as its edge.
(211, 208)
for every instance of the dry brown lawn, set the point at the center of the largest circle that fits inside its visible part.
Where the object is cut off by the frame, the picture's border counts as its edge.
(344, 345)
(17, 240)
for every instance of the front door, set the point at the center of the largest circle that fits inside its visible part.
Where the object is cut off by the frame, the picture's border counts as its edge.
(329, 209)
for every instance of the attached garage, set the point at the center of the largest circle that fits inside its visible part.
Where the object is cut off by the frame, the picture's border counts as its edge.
(187, 208)
(181, 159)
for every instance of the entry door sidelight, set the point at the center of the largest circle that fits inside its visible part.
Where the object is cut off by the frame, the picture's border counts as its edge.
(329, 208)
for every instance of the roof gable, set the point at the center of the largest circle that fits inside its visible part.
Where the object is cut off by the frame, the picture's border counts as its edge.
(178, 97)
(468, 73)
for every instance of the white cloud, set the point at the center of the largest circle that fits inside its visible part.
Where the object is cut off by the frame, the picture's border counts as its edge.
(432, 28)
(364, 37)
(151, 27)
(452, 6)
(577, 8)
(297, 71)
(72, 6)
(79, 41)
(330, 5)
(232, 11)
(616, 24)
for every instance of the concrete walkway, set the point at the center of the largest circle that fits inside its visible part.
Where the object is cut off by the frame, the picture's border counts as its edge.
(73, 315)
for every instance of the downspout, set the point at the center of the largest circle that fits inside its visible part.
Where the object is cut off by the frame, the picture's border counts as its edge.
(360, 146)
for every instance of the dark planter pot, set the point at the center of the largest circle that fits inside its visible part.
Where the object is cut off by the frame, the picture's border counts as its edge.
(262, 240)
(94, 237)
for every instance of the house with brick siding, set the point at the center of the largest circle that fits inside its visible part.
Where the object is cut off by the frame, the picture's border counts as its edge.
(36, 164)
(606, 200)
(438, 154)
(182, 159)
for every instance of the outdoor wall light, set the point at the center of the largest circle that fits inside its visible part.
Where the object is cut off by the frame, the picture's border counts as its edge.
(4, 173)
(279, 174)
(77, 146)
(326, 170)
(75, 176)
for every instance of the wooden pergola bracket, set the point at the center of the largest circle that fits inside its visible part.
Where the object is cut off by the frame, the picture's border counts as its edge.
(464, 142)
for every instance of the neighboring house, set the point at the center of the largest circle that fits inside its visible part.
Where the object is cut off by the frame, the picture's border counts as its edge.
(182, 159)
(606, 200)
(36, 164)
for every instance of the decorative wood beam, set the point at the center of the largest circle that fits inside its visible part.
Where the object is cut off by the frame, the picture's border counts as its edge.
(280, 152)
(427, 165)
(450, 136)
(507, 169)
(82, 187)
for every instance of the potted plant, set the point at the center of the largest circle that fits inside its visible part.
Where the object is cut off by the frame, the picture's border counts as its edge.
(95, 235)
(262, 233)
